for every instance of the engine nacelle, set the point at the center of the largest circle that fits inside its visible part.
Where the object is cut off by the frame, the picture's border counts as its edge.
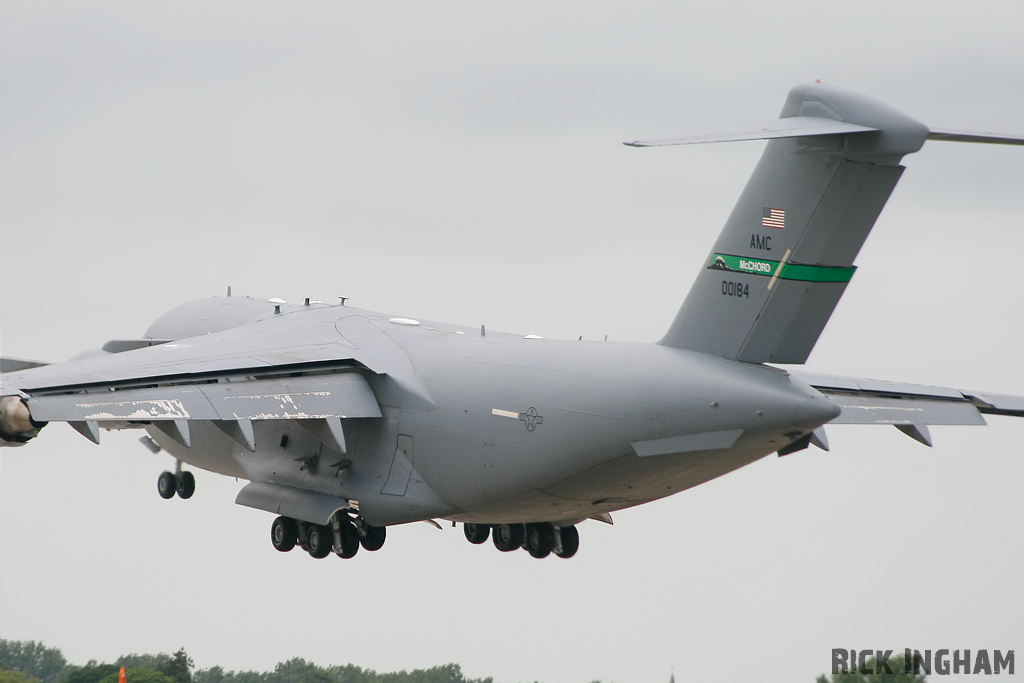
(16, 424)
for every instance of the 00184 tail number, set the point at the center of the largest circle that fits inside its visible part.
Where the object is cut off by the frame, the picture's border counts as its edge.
(735, 289)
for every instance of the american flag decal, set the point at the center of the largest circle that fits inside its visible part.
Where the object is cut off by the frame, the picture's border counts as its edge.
(773, 218)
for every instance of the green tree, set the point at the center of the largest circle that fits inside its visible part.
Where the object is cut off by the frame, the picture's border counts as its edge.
(178, 667)
(298, 670)
(897, 676)
(350, 673)
(92, 673)
(138, 676)
(11, 676)
(152, 662)
(215, 674)
(447, 673)
(31, 658)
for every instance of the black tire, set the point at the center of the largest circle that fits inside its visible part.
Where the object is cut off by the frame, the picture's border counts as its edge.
(508, 537)
(477, 533)
(540, 539)
(349, 540)
(284, 534)
(374, 538)
(186, 485)
(319, 540)
(167, 485)
(570, 542)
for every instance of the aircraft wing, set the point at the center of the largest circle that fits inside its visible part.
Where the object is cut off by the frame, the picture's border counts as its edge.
(234, 375)
(870, 401)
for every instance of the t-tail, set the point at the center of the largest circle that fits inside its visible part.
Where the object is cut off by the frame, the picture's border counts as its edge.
(786, 255)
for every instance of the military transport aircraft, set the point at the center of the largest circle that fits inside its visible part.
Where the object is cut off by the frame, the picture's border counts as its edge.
(346, 421)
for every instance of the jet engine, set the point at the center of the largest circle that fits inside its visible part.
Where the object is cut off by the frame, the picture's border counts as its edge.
(16, 424)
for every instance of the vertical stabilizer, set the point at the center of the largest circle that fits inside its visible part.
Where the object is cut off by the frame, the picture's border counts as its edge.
(786, 253)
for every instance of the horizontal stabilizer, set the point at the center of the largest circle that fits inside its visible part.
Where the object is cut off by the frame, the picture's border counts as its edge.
(789, 127)
(950, 135)
(904, 410)
(872, 401)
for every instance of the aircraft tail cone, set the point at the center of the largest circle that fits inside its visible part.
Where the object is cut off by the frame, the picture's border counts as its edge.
(814, 412)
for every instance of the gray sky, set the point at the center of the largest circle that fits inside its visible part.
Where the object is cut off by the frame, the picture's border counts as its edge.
(461, 161)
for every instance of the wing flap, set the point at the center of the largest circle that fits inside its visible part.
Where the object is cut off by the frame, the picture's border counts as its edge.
(294, 398)
(297, 398)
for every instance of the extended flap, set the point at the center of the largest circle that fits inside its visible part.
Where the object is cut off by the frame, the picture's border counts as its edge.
(293, 398)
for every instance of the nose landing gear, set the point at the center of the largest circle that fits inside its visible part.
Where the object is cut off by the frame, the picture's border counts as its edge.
(182, 483)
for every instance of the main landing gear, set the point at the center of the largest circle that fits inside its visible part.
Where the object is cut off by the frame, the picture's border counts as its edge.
(182, 483)
(539, 539)
(343, 536)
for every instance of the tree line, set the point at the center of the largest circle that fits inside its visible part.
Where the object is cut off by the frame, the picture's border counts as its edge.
(32, 662)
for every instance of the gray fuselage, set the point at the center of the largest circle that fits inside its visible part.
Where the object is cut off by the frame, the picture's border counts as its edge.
(499, 428)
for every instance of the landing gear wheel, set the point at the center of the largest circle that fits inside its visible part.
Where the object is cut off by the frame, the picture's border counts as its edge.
(166, 485)
(570, 542)
(508, 537)
(284, 533)
(349, 540)
(476, 533)
(540, 539)
(374, 538)
(318, 541)
(186, 485)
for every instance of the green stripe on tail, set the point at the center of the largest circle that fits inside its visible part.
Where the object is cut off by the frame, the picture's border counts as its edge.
(790, 271)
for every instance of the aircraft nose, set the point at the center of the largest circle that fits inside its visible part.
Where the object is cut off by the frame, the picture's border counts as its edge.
(814, 412)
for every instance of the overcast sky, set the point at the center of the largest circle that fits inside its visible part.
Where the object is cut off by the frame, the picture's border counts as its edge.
(462, 161)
